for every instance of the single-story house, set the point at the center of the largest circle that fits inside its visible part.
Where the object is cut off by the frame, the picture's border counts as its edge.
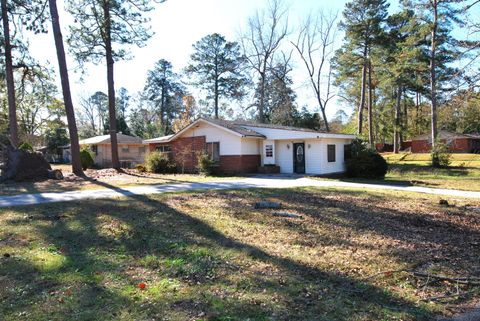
(457, 143)
(131, 150)
(242, 147)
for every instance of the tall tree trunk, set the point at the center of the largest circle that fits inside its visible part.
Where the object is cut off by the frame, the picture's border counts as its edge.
(111, 86)
(396, 129)
(261, 107)
(370, 106)
(362, 94)
(324, 116)
(404, 117)
(67, 96)
(216, 97)
(433, 80)
(12, 107)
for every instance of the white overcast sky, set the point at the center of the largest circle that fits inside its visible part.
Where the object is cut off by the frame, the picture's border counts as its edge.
(177, 25)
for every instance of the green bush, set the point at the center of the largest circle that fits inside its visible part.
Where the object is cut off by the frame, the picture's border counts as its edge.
(364, 162)
(157, 162)
(204, 164)
(86, 159)
(440, 155)
(26, 147)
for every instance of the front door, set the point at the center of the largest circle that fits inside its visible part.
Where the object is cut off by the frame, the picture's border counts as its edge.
(299, 158)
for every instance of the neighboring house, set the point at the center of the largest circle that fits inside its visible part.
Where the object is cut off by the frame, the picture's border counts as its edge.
(131, 150)
(457, 143)
(240, 147)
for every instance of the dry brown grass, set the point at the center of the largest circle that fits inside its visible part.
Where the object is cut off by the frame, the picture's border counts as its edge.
(213, 256)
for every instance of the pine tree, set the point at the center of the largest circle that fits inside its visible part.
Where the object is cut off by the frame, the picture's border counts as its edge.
(164, 91)
(363, 23)
(218, 67)
(99, 25)
(67, 96)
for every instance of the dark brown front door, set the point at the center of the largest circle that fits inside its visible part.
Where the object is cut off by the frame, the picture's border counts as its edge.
(299, 158)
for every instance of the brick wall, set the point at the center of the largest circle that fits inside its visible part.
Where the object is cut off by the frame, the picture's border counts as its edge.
(459, 145)
(420, 146)
(233, 164)
(185, 150)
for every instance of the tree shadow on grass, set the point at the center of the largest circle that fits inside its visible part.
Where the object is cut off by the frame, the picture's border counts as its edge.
(194, 271)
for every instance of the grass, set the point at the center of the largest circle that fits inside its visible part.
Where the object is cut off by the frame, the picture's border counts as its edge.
(415, 169)
(212, 256)
(127, 179)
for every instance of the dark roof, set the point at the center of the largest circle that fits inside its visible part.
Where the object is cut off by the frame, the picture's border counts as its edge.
(236, 127)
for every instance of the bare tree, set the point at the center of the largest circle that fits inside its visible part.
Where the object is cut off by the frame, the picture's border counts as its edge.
(264, 35)
(315, 45)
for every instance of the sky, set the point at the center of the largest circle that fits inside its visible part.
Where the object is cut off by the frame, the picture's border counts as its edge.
(177, 25)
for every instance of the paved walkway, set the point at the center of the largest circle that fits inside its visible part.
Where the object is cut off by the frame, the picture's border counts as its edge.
(251, 182)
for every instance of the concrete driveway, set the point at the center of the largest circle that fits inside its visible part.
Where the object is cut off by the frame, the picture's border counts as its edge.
(279, 181)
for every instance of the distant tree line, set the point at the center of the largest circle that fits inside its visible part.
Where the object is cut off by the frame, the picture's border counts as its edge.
(402, 73)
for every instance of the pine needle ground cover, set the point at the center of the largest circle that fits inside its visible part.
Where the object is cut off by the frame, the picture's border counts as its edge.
(340, 254)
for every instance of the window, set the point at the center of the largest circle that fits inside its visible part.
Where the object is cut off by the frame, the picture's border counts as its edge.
(213, 150)
(141, 150)
(94, 149)
(164, 148)
(331, 153)
(125, 149)
(268, 150)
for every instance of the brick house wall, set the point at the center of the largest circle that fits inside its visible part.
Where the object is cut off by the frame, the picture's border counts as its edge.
(458, 145)
(185, 150)
(232, 164)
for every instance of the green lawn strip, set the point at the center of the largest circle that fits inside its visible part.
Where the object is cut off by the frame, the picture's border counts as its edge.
(212, 256)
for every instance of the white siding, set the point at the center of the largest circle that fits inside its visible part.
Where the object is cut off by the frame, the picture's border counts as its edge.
(251, 146)
(284, 156)
(316, 156)
(230, 144)
(268, 160)
(313, 157)
(339, 164)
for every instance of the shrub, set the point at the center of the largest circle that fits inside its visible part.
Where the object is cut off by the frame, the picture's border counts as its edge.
(440, 155)
(141, 168)
(364, 162)
(86, 159)
(205, 164)
(157, 162)
(26, 147)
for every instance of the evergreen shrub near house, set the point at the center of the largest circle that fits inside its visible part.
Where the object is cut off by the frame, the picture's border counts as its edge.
(363, 162)
(157, 162)
(204, 164)
(440, 154)
(86, 158)
(26, 147)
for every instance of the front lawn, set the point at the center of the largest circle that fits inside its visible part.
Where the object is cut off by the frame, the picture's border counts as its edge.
(415, 169)
(213, 256)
